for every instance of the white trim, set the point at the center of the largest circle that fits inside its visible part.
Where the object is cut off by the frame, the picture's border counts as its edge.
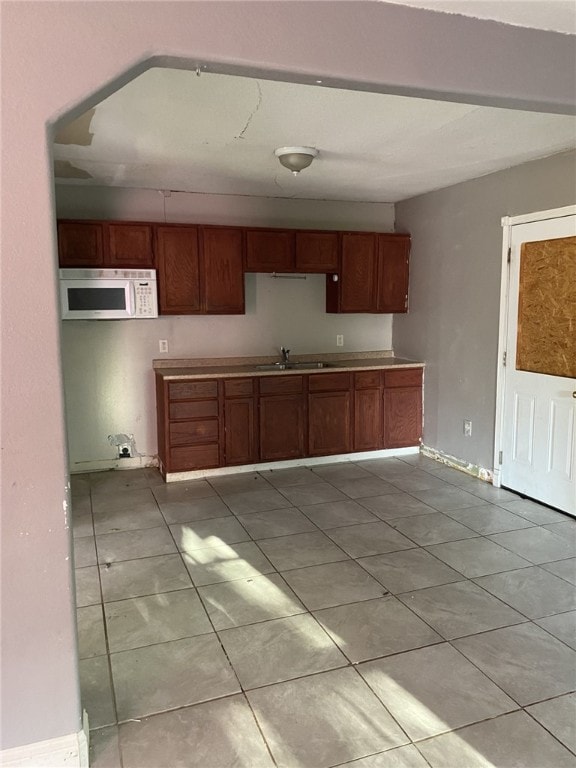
(173, 477)
(101, 465)
(507, 223)
(474, 470)
(502, 342)
(528, 218)
(69, 751)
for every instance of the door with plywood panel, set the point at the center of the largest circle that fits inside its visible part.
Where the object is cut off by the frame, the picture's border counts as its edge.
(539, 406)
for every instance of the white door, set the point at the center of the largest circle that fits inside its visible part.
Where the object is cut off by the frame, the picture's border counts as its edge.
(539, 429)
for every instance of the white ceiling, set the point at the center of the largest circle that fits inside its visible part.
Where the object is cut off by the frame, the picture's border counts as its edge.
(554, 15)
(170, 129)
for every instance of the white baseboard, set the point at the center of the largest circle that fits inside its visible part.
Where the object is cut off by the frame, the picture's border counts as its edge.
(69, 751)
(196, 474)
(101, 465)
(481, 473)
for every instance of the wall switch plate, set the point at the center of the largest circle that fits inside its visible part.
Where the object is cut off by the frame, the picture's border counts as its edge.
(467, 428)
(339, 340)
(163, 345)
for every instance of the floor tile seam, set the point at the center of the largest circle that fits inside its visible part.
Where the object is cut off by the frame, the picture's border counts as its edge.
(371, 689)
(169, 710)
(200, 520)
(547, 729)
(259, 727)
(395, 654)
(543, 562)
(313, 565)
(542, 565)
(480, 575)
(422, 741)
(108, 563)
(347, 664)
(107, 645)
(524, 568)
(482, 671)
(489, 594)
(432, 544)
(159, 642)
(558, 639)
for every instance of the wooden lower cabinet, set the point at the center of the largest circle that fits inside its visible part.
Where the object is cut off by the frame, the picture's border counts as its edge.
(189, 426)
(240, 444)
(402, 417)
(329, 423)
(402, 408)
(281, 427)
(226, 422)
(329, 414)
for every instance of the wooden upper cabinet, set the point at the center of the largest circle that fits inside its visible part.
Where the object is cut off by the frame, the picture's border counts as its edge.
(80, 244)
(178, 270)
(316, 252)
(393, 255)
(129, 245)
(359, 270)
(269, 250)
(116, 245)
(222, 270)
(373, 274)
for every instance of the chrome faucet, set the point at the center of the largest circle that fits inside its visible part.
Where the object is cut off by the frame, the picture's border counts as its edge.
(285, 355)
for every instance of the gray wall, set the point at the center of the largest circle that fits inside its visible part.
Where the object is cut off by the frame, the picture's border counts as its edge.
(108, 379)
(455, 294)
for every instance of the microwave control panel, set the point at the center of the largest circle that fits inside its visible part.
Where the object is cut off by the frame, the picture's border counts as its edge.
(146, 303)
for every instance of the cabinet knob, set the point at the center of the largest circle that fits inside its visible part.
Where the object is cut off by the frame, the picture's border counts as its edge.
(574, 394)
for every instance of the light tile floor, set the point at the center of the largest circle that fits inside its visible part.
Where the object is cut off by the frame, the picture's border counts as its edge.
(392, 613)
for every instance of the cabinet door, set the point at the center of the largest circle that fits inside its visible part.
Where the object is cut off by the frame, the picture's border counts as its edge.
(240, 433)
(223, 273)
(269, 250)
(178, 270)
(316, 251)
(393, 252)
(329, 423)
(80, 244)
(281, 427)
(367, 419)
(129, 245)
(357, 285)
(402, 416)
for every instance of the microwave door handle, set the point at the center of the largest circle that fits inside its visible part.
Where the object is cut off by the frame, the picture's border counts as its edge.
(132, 298)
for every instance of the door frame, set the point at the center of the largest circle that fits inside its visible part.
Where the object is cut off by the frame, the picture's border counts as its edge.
(507, 223)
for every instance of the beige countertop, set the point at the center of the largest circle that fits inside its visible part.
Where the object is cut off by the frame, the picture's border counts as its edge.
(198, 368)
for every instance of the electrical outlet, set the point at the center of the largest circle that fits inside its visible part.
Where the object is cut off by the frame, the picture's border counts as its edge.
(339, 340)
(163, 345)
(467, 428)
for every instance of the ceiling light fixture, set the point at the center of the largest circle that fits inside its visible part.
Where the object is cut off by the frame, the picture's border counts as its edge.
(296, 158)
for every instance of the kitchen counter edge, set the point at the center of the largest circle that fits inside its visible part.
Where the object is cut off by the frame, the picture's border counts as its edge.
(238, 371)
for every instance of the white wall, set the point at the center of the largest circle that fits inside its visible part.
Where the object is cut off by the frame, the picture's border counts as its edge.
(108, 379)
(455, 294)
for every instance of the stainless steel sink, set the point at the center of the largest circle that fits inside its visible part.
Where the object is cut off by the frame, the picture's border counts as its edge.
(273, 367)
(293, 366)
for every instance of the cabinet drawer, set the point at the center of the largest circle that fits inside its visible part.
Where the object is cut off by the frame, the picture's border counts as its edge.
(407, 377)
(200, 409)
(190, 432)
(194, 457)
(238, 388)
(192, 390)
(366, 379)
(280, 385)
(329, 382)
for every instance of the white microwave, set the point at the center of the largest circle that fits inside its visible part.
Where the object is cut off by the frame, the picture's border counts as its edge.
(108, 294)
